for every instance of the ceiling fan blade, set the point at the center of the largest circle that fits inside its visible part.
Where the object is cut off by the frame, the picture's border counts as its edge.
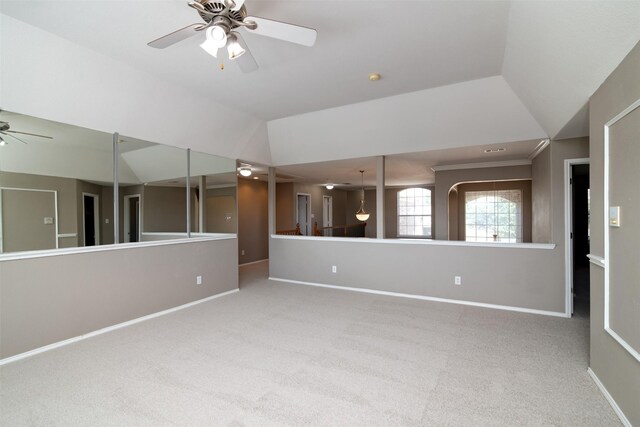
(14, 137)
(282, 31)
(238, 5)
(30, 134)
(176, 36)
(246, 61)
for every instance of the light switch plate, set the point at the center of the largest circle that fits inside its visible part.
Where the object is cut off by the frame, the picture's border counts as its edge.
(48, 220)
(614, 216)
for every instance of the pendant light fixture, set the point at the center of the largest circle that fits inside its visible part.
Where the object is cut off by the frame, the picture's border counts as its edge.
(362, 215)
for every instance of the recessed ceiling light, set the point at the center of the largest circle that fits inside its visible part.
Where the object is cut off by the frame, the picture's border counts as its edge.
(245, 170)
(374, 77)
(255, 177)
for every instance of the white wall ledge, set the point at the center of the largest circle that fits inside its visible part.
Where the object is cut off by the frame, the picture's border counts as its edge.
(113, 247)
(425, 242)
(597, 260)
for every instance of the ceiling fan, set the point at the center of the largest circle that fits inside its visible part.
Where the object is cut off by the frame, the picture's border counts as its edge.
(4, 131)
(221, 19)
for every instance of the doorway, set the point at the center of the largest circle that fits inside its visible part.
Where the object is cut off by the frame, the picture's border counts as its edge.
(304, 213)
(132, 218)
(91, 219)
(578, 198)
(327, 213)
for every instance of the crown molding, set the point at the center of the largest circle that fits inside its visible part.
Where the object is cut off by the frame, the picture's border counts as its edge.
(481, 165)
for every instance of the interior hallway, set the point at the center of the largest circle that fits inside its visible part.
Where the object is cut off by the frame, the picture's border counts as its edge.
(276, 354)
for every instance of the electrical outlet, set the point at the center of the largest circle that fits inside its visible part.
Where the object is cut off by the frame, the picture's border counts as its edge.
(242, 252)
(457, 280)
(198, 280)
(334, 268)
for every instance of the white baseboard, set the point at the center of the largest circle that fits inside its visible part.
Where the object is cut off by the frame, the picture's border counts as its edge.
(254, 262)
(609, 398)
(109, 329)
(427, 298)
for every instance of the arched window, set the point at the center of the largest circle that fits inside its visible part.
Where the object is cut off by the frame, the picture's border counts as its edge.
(493, 216)
(414, 212)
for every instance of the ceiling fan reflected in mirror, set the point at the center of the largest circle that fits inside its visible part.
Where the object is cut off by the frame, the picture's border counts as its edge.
(221, 19)
(5, 131)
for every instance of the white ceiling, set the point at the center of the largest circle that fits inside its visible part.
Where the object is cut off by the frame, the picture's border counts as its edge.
(546, 57)
(434, 43)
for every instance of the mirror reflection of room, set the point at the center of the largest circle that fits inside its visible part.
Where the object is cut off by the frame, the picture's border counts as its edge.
(56, 188)
(55, 191)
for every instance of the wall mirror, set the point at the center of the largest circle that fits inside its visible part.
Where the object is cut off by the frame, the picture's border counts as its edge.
(152, 191)
(57, 189)
(54, 192)
(213, 182)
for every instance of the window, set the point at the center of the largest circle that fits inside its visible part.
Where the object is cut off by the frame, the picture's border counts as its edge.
(493, 216)
(414, 212)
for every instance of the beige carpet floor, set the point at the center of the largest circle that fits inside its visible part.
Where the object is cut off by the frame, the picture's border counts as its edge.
(278, 354)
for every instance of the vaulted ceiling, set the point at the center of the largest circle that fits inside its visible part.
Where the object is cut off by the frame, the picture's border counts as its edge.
(533, 63)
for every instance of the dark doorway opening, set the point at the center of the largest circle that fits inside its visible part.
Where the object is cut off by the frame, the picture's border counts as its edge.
(89, 203)
(580, 211)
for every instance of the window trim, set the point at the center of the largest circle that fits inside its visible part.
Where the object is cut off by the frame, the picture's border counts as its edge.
(430, 189)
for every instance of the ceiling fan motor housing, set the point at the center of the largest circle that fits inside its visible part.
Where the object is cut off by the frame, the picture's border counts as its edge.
(217, 8)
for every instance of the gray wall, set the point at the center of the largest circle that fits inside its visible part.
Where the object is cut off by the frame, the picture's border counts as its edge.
(67, 198)
(221, 201)
(493, 275)
(23, 225)
(164, 208)
(541, 197)
(253, 221)
(445, 180)
(615, 367)
(285, 207)
(50, 299)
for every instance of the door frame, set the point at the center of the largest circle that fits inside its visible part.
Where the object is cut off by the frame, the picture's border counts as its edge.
(96, 218)
(568, 227)
(127, 202)
(327, 220)
(309, 226)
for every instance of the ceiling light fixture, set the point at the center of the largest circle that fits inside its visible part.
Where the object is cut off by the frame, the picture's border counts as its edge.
(216, 39)
(329, 186)
(362, 215)
(233, 47)
(374, 77)
(245, 171)
(255, 177)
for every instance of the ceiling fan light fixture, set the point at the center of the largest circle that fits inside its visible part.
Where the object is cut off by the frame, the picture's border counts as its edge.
(234, 48)
(216, 39)
(2, 142)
